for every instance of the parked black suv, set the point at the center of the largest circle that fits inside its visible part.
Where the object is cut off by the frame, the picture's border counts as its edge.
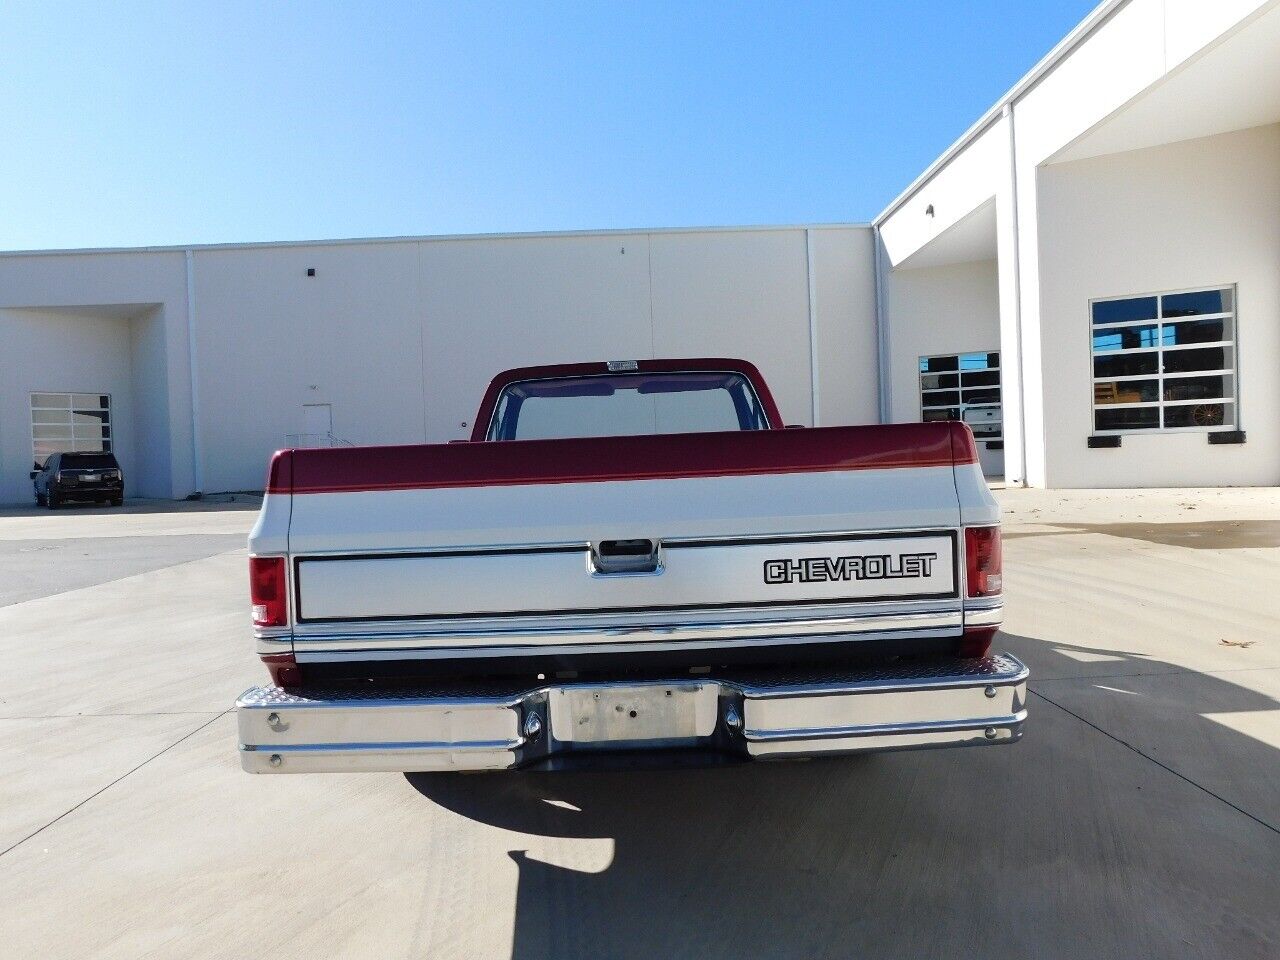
(79, 476)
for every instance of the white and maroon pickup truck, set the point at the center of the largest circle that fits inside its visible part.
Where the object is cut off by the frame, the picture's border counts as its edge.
(627, 560)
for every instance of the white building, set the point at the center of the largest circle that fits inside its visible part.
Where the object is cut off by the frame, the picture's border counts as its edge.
(1090, 276)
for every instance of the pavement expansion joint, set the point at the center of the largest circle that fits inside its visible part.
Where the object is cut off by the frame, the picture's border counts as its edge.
(1164, 766)
(102, 790)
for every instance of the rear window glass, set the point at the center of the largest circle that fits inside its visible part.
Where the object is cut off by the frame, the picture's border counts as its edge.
(620, 405)
(88, 461)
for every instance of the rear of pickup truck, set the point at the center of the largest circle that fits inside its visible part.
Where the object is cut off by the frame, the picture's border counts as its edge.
(542, 603)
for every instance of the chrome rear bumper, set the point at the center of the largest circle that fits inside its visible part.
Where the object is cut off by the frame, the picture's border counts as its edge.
(751, 714)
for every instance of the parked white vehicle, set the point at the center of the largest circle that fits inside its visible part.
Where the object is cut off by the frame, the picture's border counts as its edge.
(627, 559)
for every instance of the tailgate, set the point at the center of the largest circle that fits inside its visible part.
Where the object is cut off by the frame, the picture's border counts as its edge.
(769, 520)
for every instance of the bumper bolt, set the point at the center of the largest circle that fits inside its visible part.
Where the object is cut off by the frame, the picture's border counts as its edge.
(275, 760)
(991, 733)
(532, 726)
(989, 693)
(732, 719)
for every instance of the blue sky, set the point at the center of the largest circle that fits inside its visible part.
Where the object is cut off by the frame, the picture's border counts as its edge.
(133, 124)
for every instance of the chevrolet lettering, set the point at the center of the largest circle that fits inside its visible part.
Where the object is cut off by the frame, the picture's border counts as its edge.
(883, 566)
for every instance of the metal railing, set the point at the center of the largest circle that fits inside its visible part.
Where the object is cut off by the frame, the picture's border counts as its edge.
(315, 440)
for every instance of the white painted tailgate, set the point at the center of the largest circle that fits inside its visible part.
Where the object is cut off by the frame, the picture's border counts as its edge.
(514, 550)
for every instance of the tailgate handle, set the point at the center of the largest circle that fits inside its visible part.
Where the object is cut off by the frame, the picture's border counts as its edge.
(625, 556)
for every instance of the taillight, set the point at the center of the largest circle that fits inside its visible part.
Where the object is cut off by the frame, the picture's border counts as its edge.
(267, 592)
(983, 561)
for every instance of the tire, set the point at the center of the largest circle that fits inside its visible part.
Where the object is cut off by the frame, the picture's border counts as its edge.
(117, 501)
(51, 500)
(41, 500)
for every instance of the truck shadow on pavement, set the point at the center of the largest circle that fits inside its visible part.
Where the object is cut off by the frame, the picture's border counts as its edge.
(1126, 824)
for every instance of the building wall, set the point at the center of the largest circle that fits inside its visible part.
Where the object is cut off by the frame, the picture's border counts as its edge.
(744, 295)
(1197, 213)
(844, 295)
(1117, 58)
(153, 409)
(143, 293)
(401, 337)
(972, 178)
(503, 303)
(940, 310)
(59, 351)
(493, 304)
(1141, 43)
(933, 310)
(270, 339)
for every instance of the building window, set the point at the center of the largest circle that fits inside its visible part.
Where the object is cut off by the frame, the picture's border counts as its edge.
(964, 386)
(1165, 362)
(68, 422)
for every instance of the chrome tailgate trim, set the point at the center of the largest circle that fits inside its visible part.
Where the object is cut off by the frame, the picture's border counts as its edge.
(446, 642)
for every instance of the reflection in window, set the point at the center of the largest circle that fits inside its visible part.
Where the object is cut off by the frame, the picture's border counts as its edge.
(1126, 365)
(963, 386)
(1137, 418)
(1195, 331)
(1197, 415)
(1175, 372)
(1191, 304)
(939, 381)
(1124, 338)
(1125, 311)
(1112, 392)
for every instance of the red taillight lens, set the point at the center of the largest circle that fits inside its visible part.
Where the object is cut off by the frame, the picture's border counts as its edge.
(267, 592)
(983, 561)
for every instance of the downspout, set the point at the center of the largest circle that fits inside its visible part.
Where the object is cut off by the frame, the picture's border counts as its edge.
(813, 325)
(882, 327)
(197, 454)
(1017, 295)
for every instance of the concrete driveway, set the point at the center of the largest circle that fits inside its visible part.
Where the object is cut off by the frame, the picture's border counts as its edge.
(1140, 816)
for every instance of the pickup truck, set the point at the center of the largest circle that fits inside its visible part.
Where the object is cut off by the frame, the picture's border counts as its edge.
(626, 562)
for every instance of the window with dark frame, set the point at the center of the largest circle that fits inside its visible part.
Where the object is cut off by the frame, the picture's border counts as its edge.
(1165, 362)
(70, 423)
(965, 387)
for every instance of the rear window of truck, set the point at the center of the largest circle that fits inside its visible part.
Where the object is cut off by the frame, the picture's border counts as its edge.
(89, 461)
(622, 405)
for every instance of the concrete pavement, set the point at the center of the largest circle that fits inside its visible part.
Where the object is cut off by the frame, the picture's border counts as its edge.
(1140, 816)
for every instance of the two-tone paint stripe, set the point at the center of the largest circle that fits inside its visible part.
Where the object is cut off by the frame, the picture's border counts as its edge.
(604, 459)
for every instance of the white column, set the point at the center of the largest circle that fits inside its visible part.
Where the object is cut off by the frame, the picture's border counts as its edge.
(1010, 334)
(1021, 371)
(883, 364)
(1031, 368)
(197, 451)
(813, 327)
